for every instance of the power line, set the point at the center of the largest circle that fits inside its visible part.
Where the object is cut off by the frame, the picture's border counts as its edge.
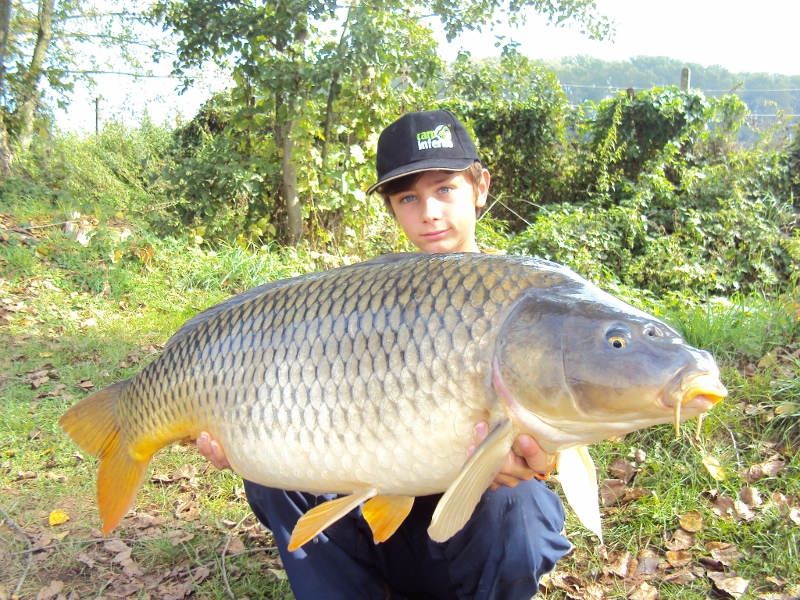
(611, 87)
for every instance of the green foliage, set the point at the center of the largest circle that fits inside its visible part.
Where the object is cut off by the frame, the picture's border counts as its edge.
(113, 170)
(631, 134)
(742, 245)
(518, 115)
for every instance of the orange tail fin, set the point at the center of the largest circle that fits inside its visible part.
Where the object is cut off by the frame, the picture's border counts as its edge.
(92, 425)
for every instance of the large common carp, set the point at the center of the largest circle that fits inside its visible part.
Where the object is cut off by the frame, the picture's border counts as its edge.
(368, 380)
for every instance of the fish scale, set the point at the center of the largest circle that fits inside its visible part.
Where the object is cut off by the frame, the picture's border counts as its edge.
(368, 380)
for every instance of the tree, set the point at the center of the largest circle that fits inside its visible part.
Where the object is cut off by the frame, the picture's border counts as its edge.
(49, 45)
(311, 74)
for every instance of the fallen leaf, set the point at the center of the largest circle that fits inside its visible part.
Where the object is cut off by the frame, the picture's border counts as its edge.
(724, 552)
(618, 564)
(691, 521)
(751, 497)
(643, 591)
(58, 517)
(130, 568)
(187, 471)
(679, 558)
(723, 506)
(51, 591)
(85, 384)
(86, 560)
(122, 556)
(622, 469)
(680, 540)
(235, 546)
(612, 491)
(733, 586)
(714, 468)
(768, 468)
(682, 577)
(279, 574)
(115, 546)
(126, 589)
(647, 566)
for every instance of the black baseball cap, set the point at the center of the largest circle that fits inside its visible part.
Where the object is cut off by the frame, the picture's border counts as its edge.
(423, 141)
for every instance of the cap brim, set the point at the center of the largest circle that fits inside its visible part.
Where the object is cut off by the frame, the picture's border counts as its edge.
(439, 164)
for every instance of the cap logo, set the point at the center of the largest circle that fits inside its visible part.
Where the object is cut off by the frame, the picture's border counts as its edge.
(441, 137)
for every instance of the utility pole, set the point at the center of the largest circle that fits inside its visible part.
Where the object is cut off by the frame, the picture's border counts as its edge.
(686, 76)
(97, 115)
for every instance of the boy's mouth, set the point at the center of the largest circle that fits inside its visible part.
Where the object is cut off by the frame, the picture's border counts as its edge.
(435, 235)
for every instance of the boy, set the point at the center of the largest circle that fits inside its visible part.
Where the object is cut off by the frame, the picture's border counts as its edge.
(431, 179)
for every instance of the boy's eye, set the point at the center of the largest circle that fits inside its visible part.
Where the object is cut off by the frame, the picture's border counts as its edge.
(445, 189)
(406, 199)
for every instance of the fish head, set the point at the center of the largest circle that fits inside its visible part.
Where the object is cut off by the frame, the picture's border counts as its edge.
(575, 365)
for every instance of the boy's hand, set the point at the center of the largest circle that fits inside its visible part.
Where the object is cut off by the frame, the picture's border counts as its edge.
(533, 462)
(212, 450)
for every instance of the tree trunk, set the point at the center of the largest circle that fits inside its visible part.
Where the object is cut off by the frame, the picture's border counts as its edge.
(6, 153)
(30, 92)
(294, 212)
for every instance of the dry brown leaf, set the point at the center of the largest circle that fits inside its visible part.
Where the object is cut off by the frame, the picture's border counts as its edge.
(679, 558)
(235, 546)
(90, 560)
(122, 556)
(51, 591)
(691, 521)
(115, 546)
(724, 552)
(125, 589)
(643, 591)
(144, 521)
(751, 497)
(622, 469)
(612, 491)
(680, 540)
(682, 577)
(723, 506)
(618, 563)
(187, 471)
(773, 465)
(794, 515)
(648, 565)
(743, 511)
(732, 586)
(131, 568)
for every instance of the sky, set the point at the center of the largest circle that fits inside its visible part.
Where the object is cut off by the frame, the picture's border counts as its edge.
(739, 36)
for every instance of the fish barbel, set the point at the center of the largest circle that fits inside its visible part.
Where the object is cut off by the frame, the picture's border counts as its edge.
(368, 380)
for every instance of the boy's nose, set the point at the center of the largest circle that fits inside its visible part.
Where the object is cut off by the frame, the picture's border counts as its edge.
(431, 210)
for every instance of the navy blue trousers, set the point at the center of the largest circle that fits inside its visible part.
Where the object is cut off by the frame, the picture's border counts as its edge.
(512, 539)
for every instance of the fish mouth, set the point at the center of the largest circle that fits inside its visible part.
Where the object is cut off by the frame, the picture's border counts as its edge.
(699, 392)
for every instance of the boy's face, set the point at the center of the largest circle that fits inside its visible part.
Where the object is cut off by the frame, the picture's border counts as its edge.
(438, 213)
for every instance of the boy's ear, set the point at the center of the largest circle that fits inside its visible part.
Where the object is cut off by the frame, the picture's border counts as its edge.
(483, 189)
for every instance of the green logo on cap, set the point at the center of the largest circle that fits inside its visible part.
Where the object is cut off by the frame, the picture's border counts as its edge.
(441, 137)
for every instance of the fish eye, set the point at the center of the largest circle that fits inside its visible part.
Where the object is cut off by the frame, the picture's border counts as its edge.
(617, 337)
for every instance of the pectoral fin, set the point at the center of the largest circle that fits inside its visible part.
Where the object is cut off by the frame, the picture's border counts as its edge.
(578, 478)
(460, 499)
(324, 515)
(385, 514)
